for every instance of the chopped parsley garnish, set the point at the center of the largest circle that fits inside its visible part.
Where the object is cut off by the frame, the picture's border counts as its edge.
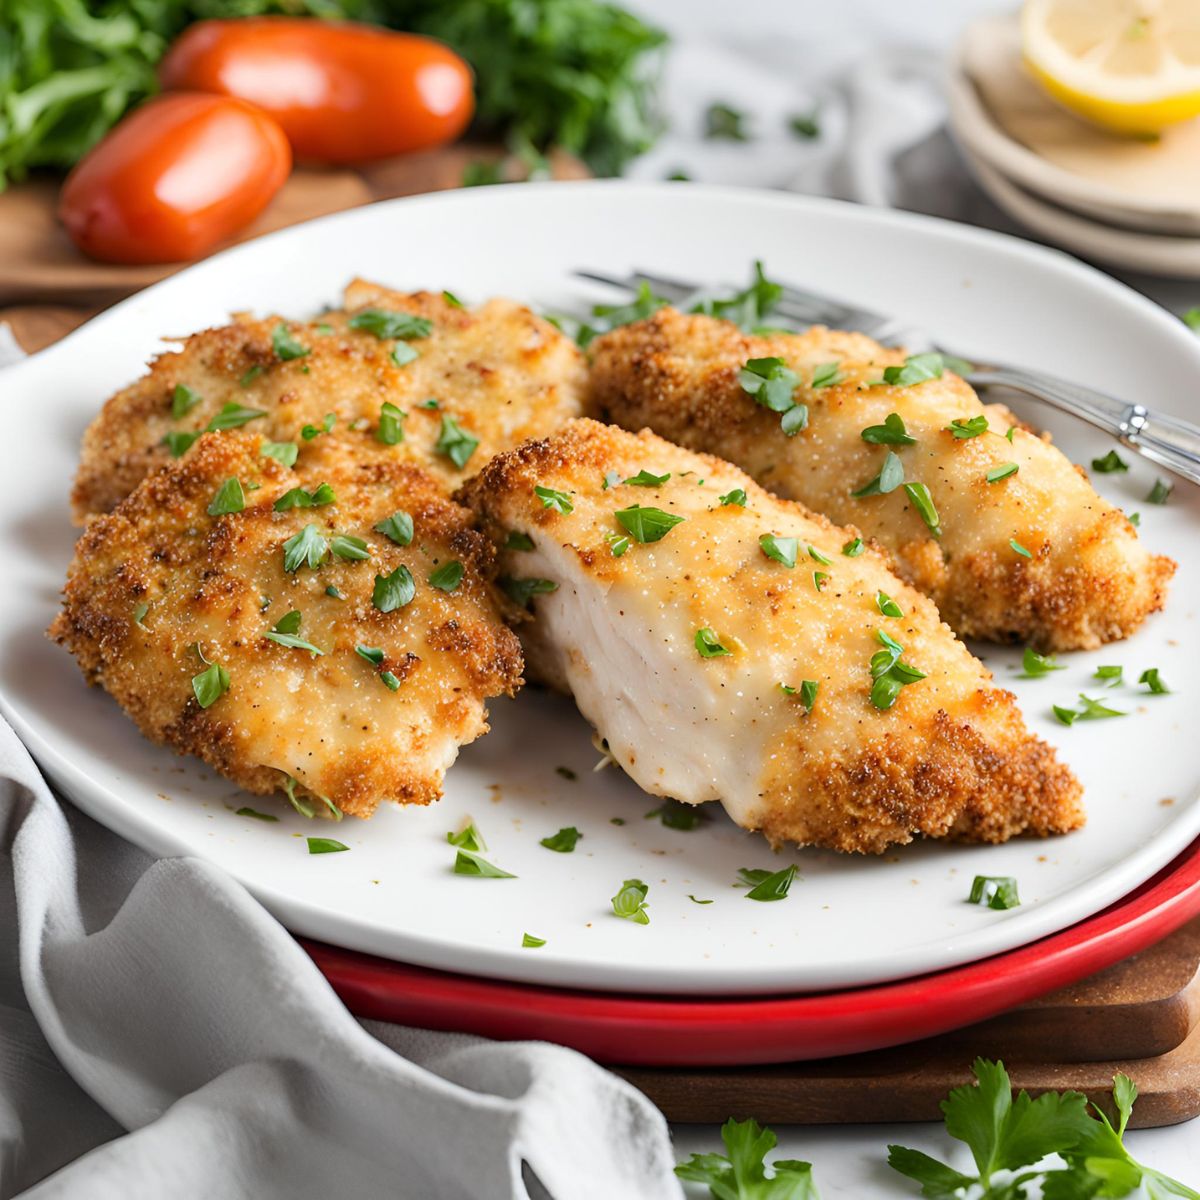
(891, 433)
(285, 346)
(1111, 462)
(674, 814)
(820, 579)
(854, 547)
(1110, 675)
(320, 845)
(890, 477)
(1003, 471)
(887, 605)
(299, 497)
(179, 443)
(312, 431)
(520, 590)
(446, 577)
(529, 942)
(1019, 548)
(251, 375)
(773, 384)
(708, 644)
(333, 591)
(183, 400)
(609, 316)
(285, 631)
(889, 673)
(390, 430)
(1065, 716)
(748, 308)
(1036, 665)
(741, 1173)
(394, 591)
(630, 902)
(467, 838)
(140, 611)
(646, 478)
(618, 543)
(922, 501)
(455, 442)
(610, 480)
(282, 452)
(1160, 492)
(918, 368)
(646, 524)
(233, 416)
(723, 122)
(1010, 433)
(302, 806)
(211, 684)
(246, 811)
(996, 891)
(566, 773)
(562, 842)
(308, 546)
(403, 353)
(469, 862)
(452, 300)
(397, 528)
(1151, 679)
(807, 691)
(805, 125)
(1135, 519)
(1089, 710)
(352, 549)
(558, 501)
(737, 498)
(968, 427)
(517, 540)
(826, 375)
(765, 885)
(781, 549)
(385, 324)
(229, 498)
(373, 654)
(694, 899)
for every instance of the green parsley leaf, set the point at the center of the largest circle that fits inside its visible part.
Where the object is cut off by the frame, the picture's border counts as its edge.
(520, 590)
(299, 497)
(891, 433)
(1066, 716)
(1135, 519)
(748, 308)
(609, 316)
(741, 1174)
(302, 806)
(1160, 492)
(390, 430)
(996, 891)
(805, 125)
(694, 900)
(352, 549)
(468, 862)
(446, 577)
(246, 811)
(922, 501)
(890, 477)
(455, 442)
(618, 543)
(645, 478)
(179, 443)
(647, 524)
(1151, 679)
(708, 645)
(770, 382)
(251, 375)
(968, 427)
(781, 549)
(794, 420)
(630, 902)
(854, 547)
(312, 431)
(918, 368)
(324, 845)
(817, 556)
(1036, 665)
(1010, 433)
(887, 605)
(529, 942)
(229, 498)
(1111, 462)
(467, 838)
(183, 400)
(385, 324)
(211, 683)
(724, 123)
(452, 300)
(826, 375)
(1019, 548)
(820, 579)
(674, 814)
(1003, 471)
(766, 885)
(736, 498)
(394, 591)
(1096, 710)
(285, 346)
(283, 452)
(233, 416)
(562, 842)
(558, 501)
(403, 353)
(140, 611)
(518, 541)
(285, 632)
(807, 692)
(889, 672)
(332, 591)
(1112, 675)
(397, 528)
(373, 654)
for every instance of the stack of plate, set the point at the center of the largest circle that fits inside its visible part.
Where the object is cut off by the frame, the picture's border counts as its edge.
(1130, 203)
(864, 951)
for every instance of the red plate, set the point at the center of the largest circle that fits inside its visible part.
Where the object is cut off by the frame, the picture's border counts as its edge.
(665, 1031)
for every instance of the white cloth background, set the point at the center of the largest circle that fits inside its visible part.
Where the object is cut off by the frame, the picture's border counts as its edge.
(161, 1034)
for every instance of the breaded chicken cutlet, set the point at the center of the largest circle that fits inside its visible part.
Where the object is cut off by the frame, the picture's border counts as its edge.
(391, 375)
(335, 637)
(733, 646)
(986, 518)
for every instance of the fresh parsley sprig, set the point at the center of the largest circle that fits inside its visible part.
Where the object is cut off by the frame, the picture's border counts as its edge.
(741, 1172)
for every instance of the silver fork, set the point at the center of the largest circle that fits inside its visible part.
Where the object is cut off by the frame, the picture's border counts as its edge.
(1163, 439)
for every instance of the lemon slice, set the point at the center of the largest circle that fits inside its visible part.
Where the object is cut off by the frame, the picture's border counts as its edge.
(1129, 65)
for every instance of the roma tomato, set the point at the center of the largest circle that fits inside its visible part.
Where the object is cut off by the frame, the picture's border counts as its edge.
(343, 93)
(174, 178)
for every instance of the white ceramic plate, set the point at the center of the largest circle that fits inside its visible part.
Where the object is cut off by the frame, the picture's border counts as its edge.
(847, 920)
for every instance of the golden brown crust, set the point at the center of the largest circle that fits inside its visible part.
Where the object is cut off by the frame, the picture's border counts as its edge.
(951, 758)
(501, 371)
(219, 584)
(1087, 579)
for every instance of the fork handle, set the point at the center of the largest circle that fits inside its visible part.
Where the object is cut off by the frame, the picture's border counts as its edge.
(1171, 443)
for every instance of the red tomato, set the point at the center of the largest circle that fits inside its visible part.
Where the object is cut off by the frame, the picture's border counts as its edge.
(343, 93)
(174, 178)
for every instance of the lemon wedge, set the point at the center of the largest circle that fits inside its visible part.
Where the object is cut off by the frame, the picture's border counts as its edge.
(1128, 65)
